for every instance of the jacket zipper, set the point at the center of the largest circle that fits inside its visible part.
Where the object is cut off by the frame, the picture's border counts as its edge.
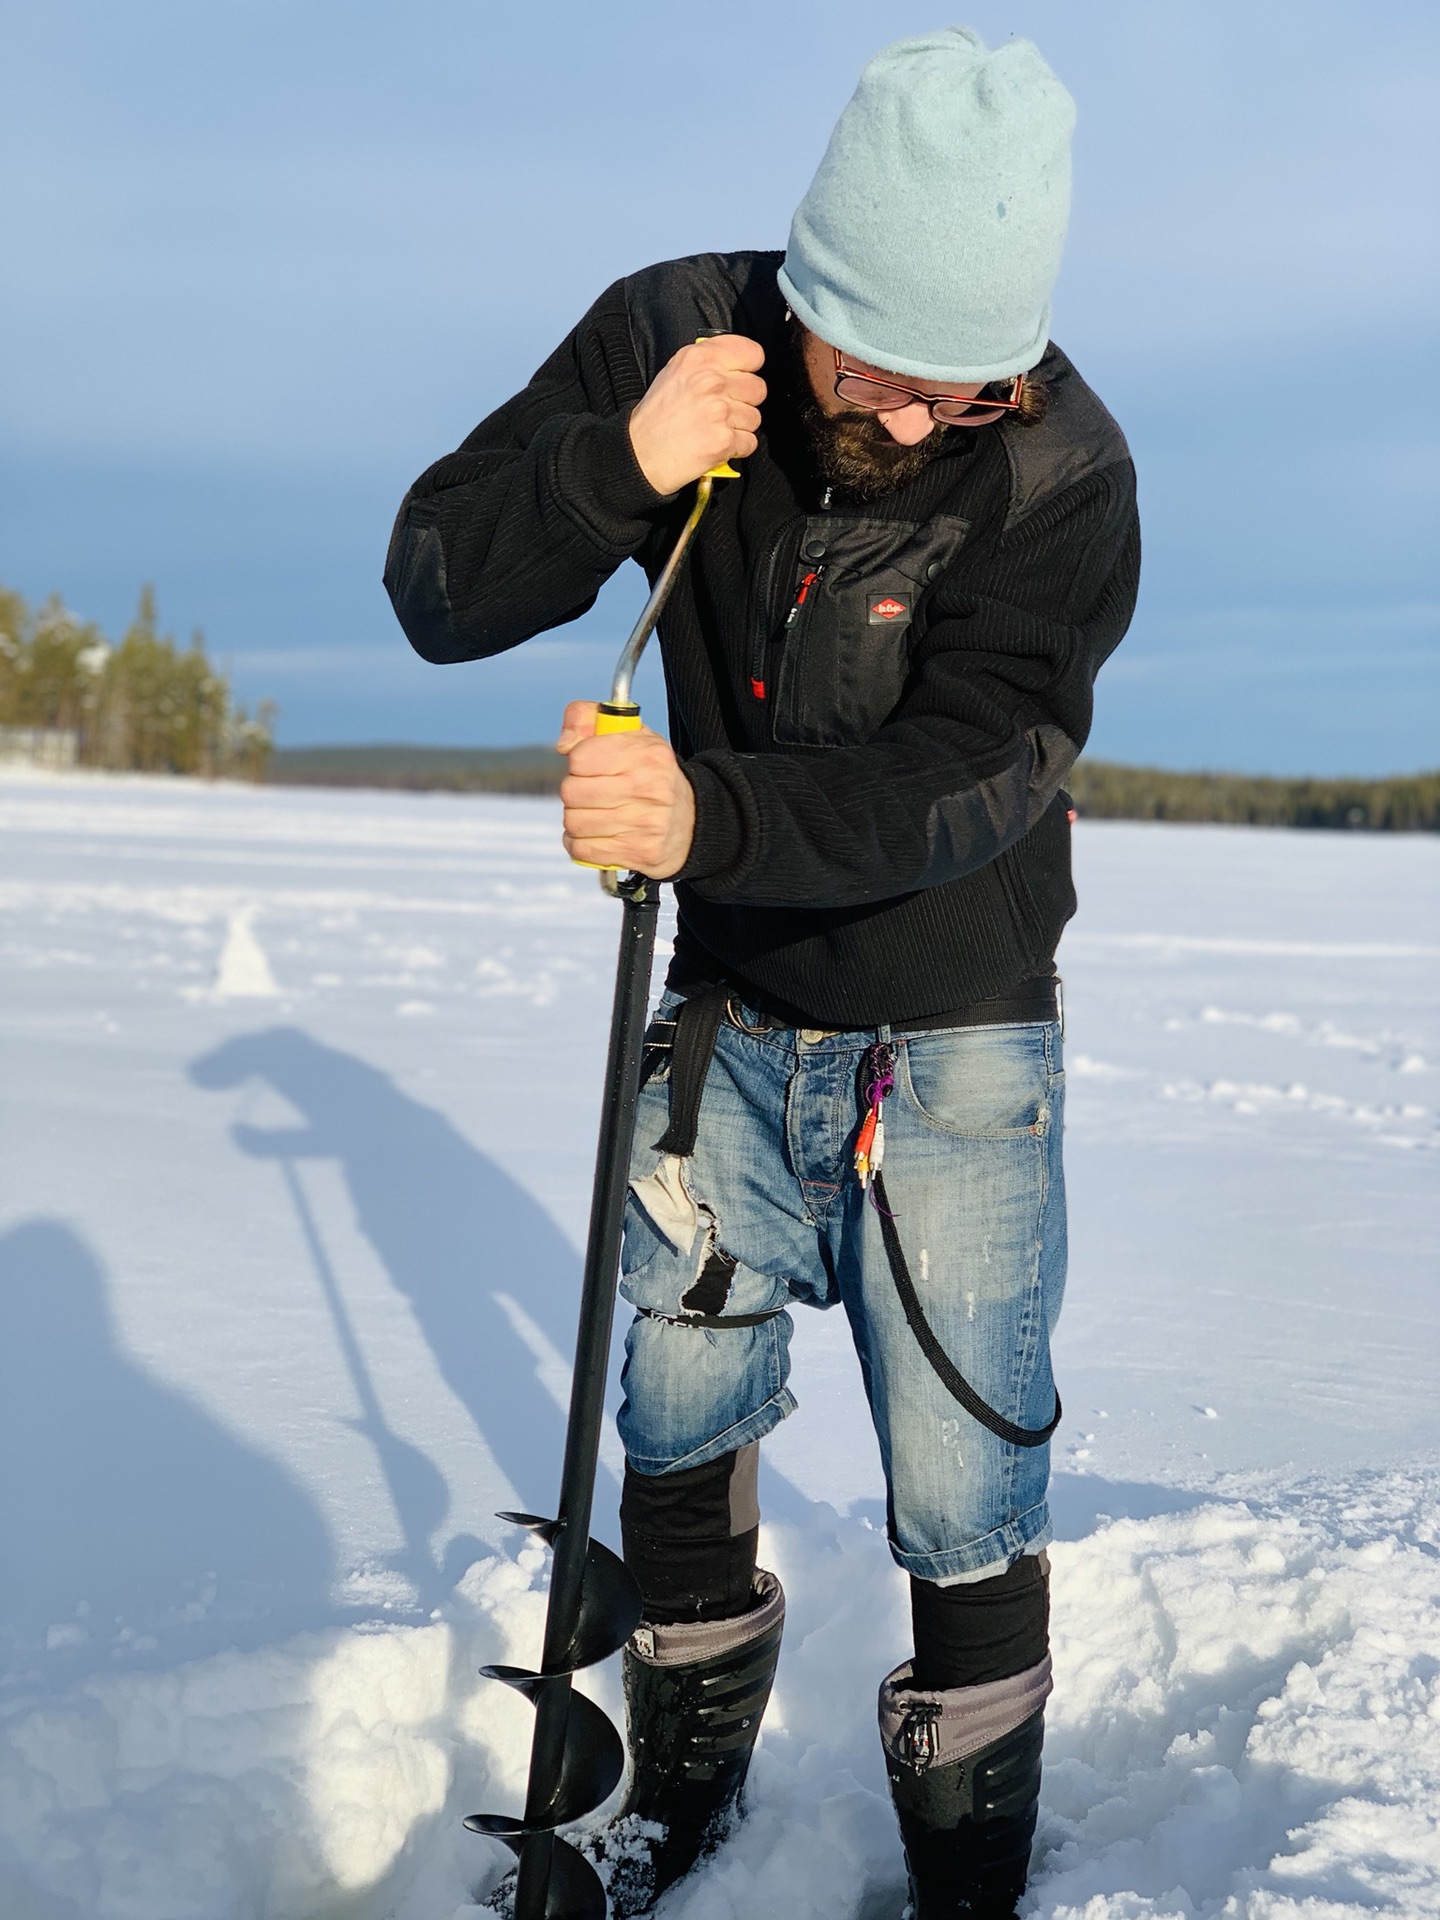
(760, 644)
(760, 629)
(757, 681)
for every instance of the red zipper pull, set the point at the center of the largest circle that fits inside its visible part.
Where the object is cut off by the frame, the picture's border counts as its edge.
(757, 685)
(801, 597)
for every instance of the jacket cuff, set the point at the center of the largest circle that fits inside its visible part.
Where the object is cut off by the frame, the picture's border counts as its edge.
(599, 482)
(719, 842)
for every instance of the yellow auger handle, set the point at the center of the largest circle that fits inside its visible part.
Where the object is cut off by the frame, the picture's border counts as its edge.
(612, 718)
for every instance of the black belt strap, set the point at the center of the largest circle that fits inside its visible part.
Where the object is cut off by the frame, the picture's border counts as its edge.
(697, 1023)
(950, 1375)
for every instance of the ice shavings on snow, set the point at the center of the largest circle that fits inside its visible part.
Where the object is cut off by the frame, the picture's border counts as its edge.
(268, 1783)
(1251, 1713)
(1246, 1722)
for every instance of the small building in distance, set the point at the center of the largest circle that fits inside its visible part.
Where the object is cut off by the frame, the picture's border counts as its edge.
(53, 748)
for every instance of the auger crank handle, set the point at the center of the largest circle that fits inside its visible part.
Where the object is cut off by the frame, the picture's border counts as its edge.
(620, 714)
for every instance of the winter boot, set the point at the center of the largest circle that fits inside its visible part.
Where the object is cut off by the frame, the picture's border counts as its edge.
(694, 1697)
(964, 1770)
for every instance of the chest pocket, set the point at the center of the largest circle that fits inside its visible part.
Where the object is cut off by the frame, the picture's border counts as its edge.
(845, 650)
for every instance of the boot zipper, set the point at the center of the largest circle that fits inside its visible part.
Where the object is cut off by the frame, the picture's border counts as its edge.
(920, 1737)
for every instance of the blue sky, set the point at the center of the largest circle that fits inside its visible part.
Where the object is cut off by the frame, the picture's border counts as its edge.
(264, 261)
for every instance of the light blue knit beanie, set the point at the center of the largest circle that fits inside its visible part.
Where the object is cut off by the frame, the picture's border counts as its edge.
(930, 238)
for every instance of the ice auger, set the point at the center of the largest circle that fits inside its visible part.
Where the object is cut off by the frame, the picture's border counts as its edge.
(577, 1756)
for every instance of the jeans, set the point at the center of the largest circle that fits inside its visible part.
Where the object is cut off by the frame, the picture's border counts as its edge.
(768, 1213)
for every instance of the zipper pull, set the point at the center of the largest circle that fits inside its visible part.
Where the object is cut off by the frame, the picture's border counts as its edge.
(801, 597)
(825, 499)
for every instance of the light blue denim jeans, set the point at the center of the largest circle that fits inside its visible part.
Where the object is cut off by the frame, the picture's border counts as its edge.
(973, 1176)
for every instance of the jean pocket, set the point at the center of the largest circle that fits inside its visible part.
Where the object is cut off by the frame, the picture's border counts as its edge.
(982, 1083)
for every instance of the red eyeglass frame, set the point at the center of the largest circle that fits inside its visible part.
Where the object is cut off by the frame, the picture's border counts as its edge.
(983, 411)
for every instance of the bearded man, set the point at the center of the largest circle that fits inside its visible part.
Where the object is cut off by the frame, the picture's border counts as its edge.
(879, 662)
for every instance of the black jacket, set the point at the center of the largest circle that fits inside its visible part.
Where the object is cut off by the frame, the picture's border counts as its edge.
(881, 830)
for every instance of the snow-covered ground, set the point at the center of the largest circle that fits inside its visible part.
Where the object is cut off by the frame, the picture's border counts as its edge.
(298, 1107)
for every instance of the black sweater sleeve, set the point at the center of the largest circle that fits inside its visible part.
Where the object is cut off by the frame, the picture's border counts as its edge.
(519, 529)
(996, 711)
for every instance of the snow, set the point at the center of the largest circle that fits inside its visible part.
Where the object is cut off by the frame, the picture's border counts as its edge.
(298, 1128)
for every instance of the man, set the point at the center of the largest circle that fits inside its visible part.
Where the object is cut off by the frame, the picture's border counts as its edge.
(879, 661)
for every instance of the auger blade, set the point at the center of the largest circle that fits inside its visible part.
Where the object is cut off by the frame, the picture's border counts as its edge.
(610, 1602)
(518, 1677)
(593, 1761)
(497, 1826)
(610, 1608)
(575, 1892)
(534, 1523)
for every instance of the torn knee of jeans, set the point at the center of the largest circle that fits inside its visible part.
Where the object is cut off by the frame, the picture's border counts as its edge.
(668, 1203)
(714, 1272)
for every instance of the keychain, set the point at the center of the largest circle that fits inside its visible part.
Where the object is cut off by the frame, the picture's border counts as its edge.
(870, 1147)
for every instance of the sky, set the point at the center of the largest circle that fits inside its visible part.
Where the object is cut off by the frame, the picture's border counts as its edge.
(264, 262)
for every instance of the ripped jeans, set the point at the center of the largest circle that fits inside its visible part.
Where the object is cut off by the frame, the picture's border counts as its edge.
(768, 1212)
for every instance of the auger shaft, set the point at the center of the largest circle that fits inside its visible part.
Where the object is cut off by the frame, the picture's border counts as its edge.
(577, 1757)
(587, 1391)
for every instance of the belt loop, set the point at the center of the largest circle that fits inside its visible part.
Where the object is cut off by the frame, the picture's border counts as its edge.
(1060, 1003)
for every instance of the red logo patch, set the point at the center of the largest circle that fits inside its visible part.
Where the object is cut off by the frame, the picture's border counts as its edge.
(889, 608)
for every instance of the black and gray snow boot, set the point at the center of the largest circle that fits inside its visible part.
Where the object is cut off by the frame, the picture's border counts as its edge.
(964, 1770)
(694, 1697)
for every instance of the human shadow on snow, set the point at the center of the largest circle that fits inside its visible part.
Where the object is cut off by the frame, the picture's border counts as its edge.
(455, 1234)
(126, 1512)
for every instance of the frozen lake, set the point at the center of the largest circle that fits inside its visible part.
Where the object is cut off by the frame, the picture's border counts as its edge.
(298, 1122)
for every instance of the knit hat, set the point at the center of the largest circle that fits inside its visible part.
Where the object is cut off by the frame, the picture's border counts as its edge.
(930, 238)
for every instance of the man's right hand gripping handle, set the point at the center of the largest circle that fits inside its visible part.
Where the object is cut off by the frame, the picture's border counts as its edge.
(701, 410)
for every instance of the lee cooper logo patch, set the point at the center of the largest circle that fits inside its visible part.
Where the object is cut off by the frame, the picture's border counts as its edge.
(889, 608)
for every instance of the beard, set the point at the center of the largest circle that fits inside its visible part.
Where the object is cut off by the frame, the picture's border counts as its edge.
(852, 450)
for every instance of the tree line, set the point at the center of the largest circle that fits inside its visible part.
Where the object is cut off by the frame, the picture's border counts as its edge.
(1408, 803)
(145, 704)
(142, 704)
(1098, 789)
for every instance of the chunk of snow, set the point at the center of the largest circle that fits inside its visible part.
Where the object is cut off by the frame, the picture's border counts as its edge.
(244, 972)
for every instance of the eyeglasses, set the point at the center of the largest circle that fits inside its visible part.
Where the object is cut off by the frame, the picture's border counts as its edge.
(863, 390)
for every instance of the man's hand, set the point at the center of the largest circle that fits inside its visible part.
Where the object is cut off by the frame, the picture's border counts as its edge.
(703, 407)
(627, 802)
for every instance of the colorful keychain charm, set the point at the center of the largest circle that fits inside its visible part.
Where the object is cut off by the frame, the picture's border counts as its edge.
(870, 1146)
